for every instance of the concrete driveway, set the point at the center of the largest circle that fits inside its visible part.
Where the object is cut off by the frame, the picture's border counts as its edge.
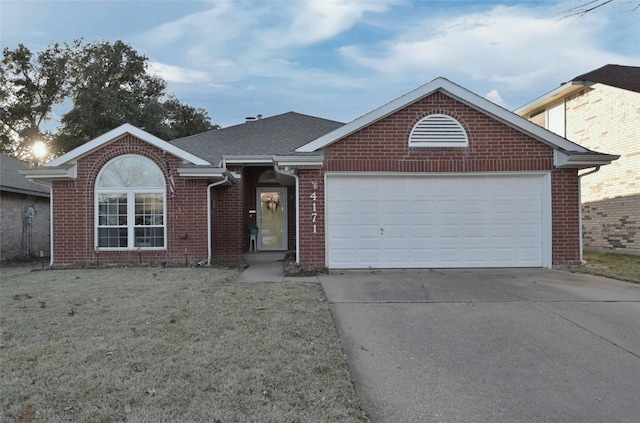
(525, 345)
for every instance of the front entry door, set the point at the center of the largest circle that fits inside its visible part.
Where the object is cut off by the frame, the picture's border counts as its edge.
(272, 219)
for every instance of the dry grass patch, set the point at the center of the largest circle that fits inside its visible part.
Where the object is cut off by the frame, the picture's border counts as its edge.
(168, 345)
(611, 265)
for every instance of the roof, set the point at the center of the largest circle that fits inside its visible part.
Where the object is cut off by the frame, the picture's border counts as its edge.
(460, 94)
(278, 135)
(618, 76)
(12, 181)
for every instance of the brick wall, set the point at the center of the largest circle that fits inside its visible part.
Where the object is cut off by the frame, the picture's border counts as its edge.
(383, 146)
(607, 119)
(13, 226)
(74, 208)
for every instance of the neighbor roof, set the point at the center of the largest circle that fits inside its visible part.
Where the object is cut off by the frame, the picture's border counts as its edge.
(619, 76)
(12, 181)
(273, 136)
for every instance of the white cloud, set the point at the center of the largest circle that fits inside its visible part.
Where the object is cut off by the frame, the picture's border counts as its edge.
(177, 74)
(495, 97)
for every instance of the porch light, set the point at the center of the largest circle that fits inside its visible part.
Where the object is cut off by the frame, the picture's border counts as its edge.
(314, 185)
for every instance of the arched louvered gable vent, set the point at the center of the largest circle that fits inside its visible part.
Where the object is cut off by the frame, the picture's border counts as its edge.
(438, 131)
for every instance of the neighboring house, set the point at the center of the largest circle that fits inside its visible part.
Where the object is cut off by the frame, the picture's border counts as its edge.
(600, 110)
(439, 177)
(24, 213)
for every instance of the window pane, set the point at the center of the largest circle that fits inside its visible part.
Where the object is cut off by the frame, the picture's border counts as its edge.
(149, 209)
(150, 236)
(112, 209)
(112, 237)
(131, 171)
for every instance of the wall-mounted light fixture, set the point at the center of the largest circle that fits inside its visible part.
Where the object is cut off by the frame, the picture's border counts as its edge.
(314, 185)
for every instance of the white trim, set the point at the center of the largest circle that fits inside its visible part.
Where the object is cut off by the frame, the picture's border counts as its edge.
(552, 96)
(118, 133)
(33, 174)
(457, 92)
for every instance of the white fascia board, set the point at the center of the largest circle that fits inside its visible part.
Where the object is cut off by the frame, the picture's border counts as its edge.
(104, 139)
(43, 173)
(299, 162)
(552, 96)
(457, 92)
(207, 173)
(248, 159)
(564, 159)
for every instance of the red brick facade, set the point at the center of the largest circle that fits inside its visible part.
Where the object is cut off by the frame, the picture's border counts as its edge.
(493, 147)
(379, 147)
(74, 213)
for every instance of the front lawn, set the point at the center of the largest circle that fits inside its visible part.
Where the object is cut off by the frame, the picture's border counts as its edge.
(612, 265)
(168, 345)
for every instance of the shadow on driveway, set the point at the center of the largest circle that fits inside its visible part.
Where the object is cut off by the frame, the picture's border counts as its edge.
(495, 345)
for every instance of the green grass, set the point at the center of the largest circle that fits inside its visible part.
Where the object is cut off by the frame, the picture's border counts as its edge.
(611, 265)
(168, 345)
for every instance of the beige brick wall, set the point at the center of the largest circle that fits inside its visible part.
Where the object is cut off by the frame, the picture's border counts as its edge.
(13, 226)
(607, 119)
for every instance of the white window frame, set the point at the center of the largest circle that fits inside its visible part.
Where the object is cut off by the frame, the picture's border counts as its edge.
(435, 134)
(131, 193)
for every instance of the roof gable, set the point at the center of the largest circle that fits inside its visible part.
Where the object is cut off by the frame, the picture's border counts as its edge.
(117, 133)
(458, 93)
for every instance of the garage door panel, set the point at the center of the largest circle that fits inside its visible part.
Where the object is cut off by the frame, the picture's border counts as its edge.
(444, 221)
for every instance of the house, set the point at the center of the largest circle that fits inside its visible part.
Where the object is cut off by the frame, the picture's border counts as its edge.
(439, 177)
(600, 110)
(24, 213)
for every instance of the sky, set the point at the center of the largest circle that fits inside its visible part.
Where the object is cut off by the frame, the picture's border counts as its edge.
(338, 59)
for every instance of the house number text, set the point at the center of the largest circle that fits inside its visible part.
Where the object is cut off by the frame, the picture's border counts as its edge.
(314, 211)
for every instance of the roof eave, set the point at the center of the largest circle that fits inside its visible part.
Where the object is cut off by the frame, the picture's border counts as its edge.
(552, 96)
(211, 174)
(571, 160)
(50, 173)
(299, 162)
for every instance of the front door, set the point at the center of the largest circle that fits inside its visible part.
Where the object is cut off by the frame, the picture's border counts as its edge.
(272, 219)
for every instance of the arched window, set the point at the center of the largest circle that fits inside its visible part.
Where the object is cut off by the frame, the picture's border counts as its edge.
(438, 130)
(130, 205)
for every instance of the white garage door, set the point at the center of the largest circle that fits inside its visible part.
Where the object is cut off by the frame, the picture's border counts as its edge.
(408, 221)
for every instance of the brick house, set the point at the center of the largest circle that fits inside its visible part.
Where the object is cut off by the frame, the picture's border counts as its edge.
(439, 177)
(24, 213)
(600, 110)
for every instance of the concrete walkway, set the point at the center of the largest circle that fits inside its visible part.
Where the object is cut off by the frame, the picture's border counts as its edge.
(268, 267)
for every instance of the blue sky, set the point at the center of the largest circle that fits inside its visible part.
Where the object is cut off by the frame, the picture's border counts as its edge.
(339, 59)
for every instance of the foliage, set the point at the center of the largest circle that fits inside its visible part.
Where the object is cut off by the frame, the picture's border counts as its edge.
(29, 87)
(107, 85)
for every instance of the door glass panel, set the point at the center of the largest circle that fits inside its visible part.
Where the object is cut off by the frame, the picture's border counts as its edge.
(272, 233)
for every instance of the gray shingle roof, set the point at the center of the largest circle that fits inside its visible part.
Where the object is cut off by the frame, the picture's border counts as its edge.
(276, 135)
(11, 180)
(625, 77)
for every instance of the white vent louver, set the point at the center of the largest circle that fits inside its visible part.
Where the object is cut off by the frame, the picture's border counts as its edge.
(438, 131)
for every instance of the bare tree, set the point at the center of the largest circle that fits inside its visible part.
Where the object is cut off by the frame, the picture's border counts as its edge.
(587, 7)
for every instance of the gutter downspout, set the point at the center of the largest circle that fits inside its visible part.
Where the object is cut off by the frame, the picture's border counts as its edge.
(50, 188)
(294, 176)
(597, 168)
(209, 211)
